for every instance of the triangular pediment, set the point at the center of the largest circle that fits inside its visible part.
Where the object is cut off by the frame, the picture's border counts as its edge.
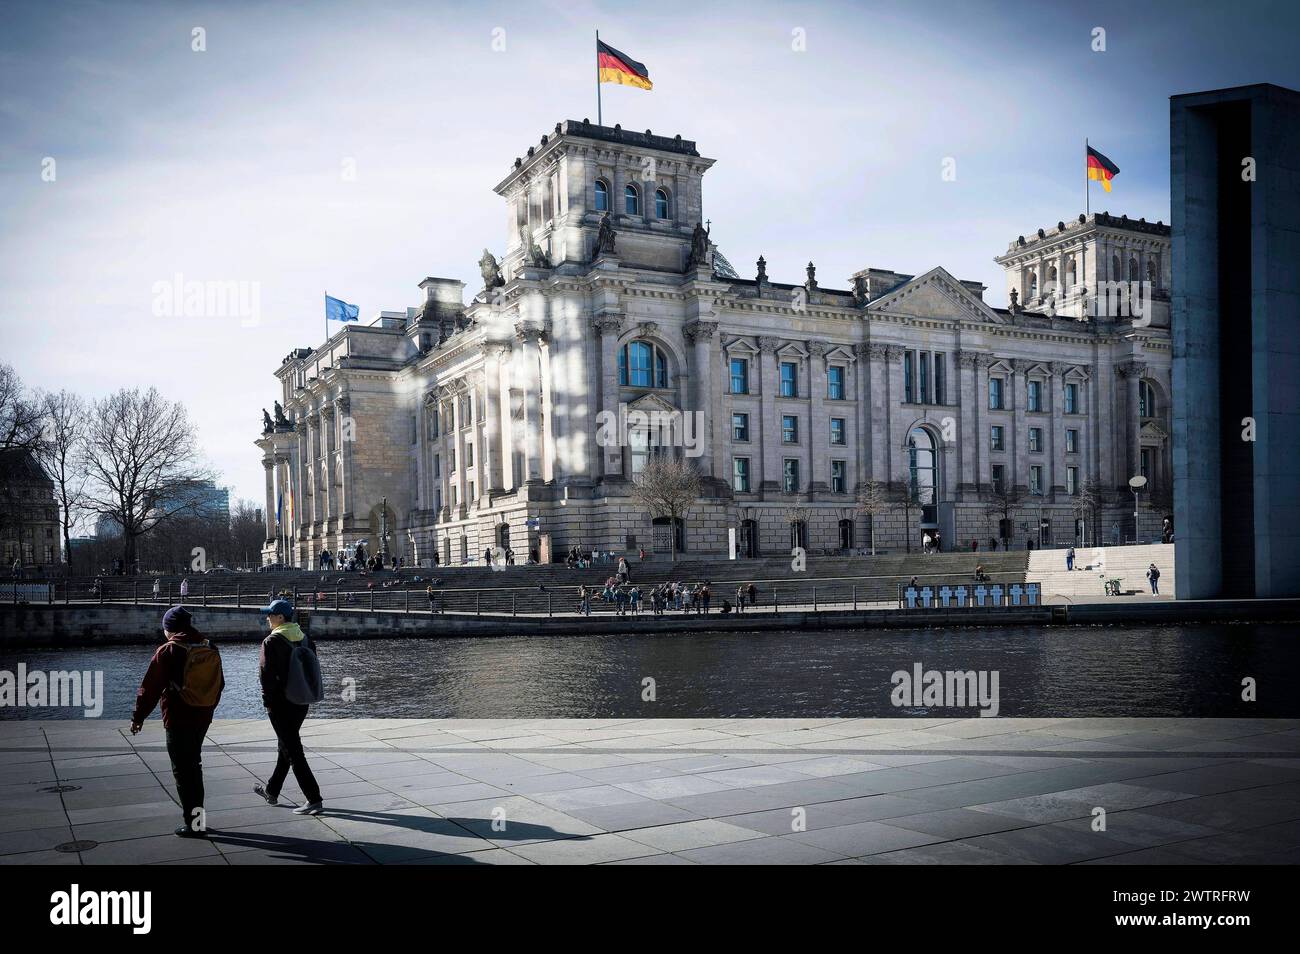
(936, 294)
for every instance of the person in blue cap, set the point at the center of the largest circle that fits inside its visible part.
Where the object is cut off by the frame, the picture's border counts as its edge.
(286, 717)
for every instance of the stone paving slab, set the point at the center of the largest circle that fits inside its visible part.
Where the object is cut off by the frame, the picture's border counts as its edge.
(671, 791)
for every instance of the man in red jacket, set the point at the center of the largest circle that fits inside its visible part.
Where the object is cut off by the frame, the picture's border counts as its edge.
(185, 688)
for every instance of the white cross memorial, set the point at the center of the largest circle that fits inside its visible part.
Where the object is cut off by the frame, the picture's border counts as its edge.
(1015, 592)
(945, 595)
(961, 596)
(1033, 590)
(927, 596)
(995, 592)
(909, 597)
(980, 593)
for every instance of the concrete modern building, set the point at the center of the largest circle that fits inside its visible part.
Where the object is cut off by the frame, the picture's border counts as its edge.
(488, 423)
(1235, 182)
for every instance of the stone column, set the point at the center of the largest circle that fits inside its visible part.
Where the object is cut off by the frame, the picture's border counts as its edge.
(347, 437)
(1056, 439)
(458, 442)
(329, 427)
(268, 464)
(818, 420)
(770, 425)
(530, 337)
(608, 327)
(881, 411)
(700, 334)
(424, 467)
(1133, 372)
(968, 439)
(1019, 430)
(446, 436)
(491, 471)
(896, 460)
(862, 423)
(983, 421)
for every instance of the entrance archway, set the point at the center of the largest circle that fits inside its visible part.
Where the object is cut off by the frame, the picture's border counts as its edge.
(662, 533)
(846, 535)
(748, 543)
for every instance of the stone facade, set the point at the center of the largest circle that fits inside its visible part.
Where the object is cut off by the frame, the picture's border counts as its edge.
(487, 424)
(29, 513)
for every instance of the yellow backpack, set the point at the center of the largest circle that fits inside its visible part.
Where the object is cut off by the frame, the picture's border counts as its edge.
(201, 679)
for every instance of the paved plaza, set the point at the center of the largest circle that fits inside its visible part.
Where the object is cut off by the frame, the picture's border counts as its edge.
(671, 791)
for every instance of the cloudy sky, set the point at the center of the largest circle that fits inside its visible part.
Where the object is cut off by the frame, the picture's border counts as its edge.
(353, 146)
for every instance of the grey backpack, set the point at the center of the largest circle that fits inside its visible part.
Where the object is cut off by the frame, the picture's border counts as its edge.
(302, 683)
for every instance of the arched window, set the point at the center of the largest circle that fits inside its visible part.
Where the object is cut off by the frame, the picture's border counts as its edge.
(1146, 399)
(1033, 286)
(602, 196)
(1115, 273)
(631, 201)
(923, 465)
(661, 204)
(642, 365)
(846, 534)
(1151, 272)
(1133, 273)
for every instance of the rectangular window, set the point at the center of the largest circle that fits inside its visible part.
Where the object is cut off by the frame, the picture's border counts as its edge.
(940, 396)
(789, 379)
(1036, 480)
(909, 358)
(789, 429)
(996, 441)
(469, 455)
(924, 393)
(837, 430)
(791, 473)
(838, 479)
(995, 394)
(740, 427)
(739, 375)
(835, 383)
(1072, 481)
(1035, 396)
(1072, 399)
(437, 465)
(469, 490)
(1071, 441)
(999, 472)
(740, 475)
(1036, 440)
(451, 459)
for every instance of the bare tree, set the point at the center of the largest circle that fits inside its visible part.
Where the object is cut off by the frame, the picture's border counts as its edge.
(1003, 502)
(667, 487)
(20, 413)
(62, 454)
(247, 532)
(873, 498)
(142, 459)
(1086, 504)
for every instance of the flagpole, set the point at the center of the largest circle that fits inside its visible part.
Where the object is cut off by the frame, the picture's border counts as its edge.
(1087, 182)
(599, 118)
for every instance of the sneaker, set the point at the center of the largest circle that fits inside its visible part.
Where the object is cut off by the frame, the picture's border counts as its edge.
(186, 832)
(270, 799)
(311, 808)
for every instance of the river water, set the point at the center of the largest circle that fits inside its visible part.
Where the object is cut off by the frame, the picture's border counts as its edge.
(1187, 670)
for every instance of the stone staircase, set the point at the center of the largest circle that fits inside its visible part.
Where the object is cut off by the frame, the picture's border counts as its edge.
(1127, 564)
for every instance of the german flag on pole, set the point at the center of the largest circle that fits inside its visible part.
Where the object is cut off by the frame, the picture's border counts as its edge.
(1101, 169)
(615, 67)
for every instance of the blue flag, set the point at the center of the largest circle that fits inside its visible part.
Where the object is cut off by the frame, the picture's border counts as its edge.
(336, 309)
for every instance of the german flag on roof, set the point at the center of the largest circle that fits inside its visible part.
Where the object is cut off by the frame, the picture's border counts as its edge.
(1101, 169)
(615, 67)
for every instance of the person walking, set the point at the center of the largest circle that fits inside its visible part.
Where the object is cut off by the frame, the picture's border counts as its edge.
(1069, 559)
(185, 676)
(157, 589)
(286, 717)
(185, 588)
(926, 543)
(1153, 574)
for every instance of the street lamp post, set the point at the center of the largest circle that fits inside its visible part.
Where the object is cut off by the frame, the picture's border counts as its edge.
(1136, 484)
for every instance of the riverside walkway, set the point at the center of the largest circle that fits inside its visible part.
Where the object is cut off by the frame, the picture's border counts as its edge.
(671, 791)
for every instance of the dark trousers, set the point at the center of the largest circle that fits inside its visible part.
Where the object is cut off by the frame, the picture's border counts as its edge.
(287, 720)
(185, 749)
